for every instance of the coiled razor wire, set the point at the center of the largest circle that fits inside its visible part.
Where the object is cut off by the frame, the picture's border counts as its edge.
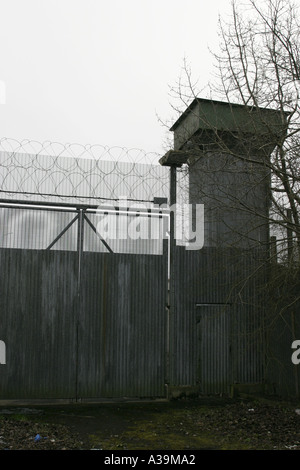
(51, 171)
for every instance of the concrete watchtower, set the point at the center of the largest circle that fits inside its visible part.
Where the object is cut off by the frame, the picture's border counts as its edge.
(227, 149)
(216, 314)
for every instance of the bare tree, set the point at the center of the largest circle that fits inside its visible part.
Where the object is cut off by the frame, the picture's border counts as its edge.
(258, 156)
(259, 65)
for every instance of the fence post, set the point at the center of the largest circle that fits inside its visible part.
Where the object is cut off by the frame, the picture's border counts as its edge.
(172, 315)
(78, 303)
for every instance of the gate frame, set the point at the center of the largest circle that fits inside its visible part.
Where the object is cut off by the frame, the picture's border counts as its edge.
(81, 211)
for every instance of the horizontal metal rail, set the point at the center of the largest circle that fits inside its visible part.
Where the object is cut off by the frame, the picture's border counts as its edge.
(38, 205)
(67, 204)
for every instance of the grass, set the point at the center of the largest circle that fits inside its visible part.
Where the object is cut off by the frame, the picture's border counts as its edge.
(175, 429)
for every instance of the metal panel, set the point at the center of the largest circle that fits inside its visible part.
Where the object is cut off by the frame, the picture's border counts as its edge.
(282, 375)
(37, 309)
(66, 179)
(122, 332)
(35, 229)
(81, 324)
(214, 344)
(133, 233)
(224, 282)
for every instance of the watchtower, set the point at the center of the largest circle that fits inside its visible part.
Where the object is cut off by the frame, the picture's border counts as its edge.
(216, 315)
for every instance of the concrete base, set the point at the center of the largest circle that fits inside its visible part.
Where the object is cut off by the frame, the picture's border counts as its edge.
(251, 389)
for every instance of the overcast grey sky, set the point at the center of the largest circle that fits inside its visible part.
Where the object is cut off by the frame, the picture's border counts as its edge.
(98, 72)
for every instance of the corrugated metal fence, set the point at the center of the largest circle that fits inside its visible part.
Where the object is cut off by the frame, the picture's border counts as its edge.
(216, 327)
(79, 320)
(85, 318)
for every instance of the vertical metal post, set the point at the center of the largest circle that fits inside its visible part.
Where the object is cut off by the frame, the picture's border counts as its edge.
(78, 303)
(173, 197)
(173, 181)
(172, 247)
(80, 246)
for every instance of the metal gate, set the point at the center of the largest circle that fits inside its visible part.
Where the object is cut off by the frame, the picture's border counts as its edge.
(80, 317)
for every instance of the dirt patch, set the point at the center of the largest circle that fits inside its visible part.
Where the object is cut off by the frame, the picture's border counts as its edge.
(214, 424)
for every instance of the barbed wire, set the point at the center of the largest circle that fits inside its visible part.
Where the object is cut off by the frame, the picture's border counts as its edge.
(52, 171)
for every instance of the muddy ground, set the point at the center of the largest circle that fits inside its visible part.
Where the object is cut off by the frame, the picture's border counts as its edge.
(199, 424)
